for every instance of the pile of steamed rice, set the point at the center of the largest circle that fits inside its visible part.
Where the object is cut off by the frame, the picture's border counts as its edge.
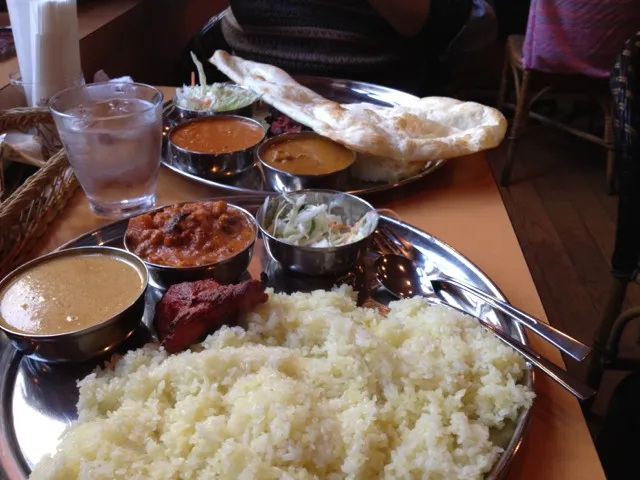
(316, 388)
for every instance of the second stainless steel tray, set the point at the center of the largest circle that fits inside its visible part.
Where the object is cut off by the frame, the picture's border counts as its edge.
(343, 91)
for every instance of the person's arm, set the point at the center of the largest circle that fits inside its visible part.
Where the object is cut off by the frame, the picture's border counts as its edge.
(406, 16)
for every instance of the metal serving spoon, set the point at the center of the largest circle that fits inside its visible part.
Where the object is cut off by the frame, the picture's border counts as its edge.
(572, 347)
(404, 279)
(391, 243)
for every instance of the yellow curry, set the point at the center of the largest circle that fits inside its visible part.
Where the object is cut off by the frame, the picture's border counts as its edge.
(307, 154)
(69, 293)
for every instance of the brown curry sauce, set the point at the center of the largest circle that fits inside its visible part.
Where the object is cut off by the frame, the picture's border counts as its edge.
(191, 234)
(217, 135)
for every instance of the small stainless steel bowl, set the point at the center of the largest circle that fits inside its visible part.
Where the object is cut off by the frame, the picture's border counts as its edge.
(282, 181)
(213, 165)
(226, 271)
(317, 261)
(81, 345)
(188, 114)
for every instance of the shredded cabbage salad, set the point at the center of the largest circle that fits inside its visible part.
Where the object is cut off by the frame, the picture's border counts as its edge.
(217, 97)
(297, 220)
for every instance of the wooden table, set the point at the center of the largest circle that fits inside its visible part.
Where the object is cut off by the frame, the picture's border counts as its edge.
(461, 205)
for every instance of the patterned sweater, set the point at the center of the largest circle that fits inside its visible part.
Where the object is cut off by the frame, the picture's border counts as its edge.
(313, 36)
(341, 38)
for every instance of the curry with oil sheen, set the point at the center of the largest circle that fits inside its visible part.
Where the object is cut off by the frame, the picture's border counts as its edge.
(308, 155)
(217, 135)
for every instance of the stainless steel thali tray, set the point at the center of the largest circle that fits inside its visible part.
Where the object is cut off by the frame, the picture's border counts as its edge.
(343, 91)
(38, 401)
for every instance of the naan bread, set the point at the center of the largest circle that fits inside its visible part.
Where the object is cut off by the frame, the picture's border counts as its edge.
(396, 141)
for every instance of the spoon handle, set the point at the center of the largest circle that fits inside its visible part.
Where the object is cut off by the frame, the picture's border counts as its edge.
(574, 386)
(561, 340)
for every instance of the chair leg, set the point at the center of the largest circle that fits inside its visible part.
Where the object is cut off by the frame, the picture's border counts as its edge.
(1, 181)
(611, 171)
(611, 177)
(519, 123)
(601, 354)
(502, 93)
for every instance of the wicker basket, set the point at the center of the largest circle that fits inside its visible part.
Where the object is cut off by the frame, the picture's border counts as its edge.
(25, 215)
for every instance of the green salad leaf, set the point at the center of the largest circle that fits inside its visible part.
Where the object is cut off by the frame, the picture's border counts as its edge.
(217, 97)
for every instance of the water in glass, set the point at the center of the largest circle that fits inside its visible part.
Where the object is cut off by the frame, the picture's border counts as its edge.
(114, 147)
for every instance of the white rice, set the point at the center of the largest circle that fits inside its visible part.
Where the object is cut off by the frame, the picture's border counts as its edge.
(316, 388)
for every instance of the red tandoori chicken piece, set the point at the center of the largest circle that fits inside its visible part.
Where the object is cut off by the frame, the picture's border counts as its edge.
(189, 311)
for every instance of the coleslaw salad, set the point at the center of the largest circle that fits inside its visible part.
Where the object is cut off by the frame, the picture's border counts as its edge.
(298, 221)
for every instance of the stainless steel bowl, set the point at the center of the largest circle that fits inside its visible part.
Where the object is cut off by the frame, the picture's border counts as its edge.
(282, 181)
(188, 114)
(317, 261)
(213, 165)
(90, 342)
(225, 272)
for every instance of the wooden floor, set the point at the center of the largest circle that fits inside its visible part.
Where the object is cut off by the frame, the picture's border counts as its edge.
(565, 223)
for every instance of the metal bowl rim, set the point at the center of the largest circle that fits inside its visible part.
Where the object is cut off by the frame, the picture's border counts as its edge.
(136, 262)
(206, 266)
(214, 118)
(260, 216)
(285, 136)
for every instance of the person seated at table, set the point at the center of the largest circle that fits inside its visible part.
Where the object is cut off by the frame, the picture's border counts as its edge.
(398, 43)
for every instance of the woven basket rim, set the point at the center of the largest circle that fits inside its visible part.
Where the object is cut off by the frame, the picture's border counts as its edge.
(27, 213)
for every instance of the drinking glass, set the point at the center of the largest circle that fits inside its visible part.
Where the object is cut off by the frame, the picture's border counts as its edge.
(27, 89)
(113, 136)
(24, 96)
